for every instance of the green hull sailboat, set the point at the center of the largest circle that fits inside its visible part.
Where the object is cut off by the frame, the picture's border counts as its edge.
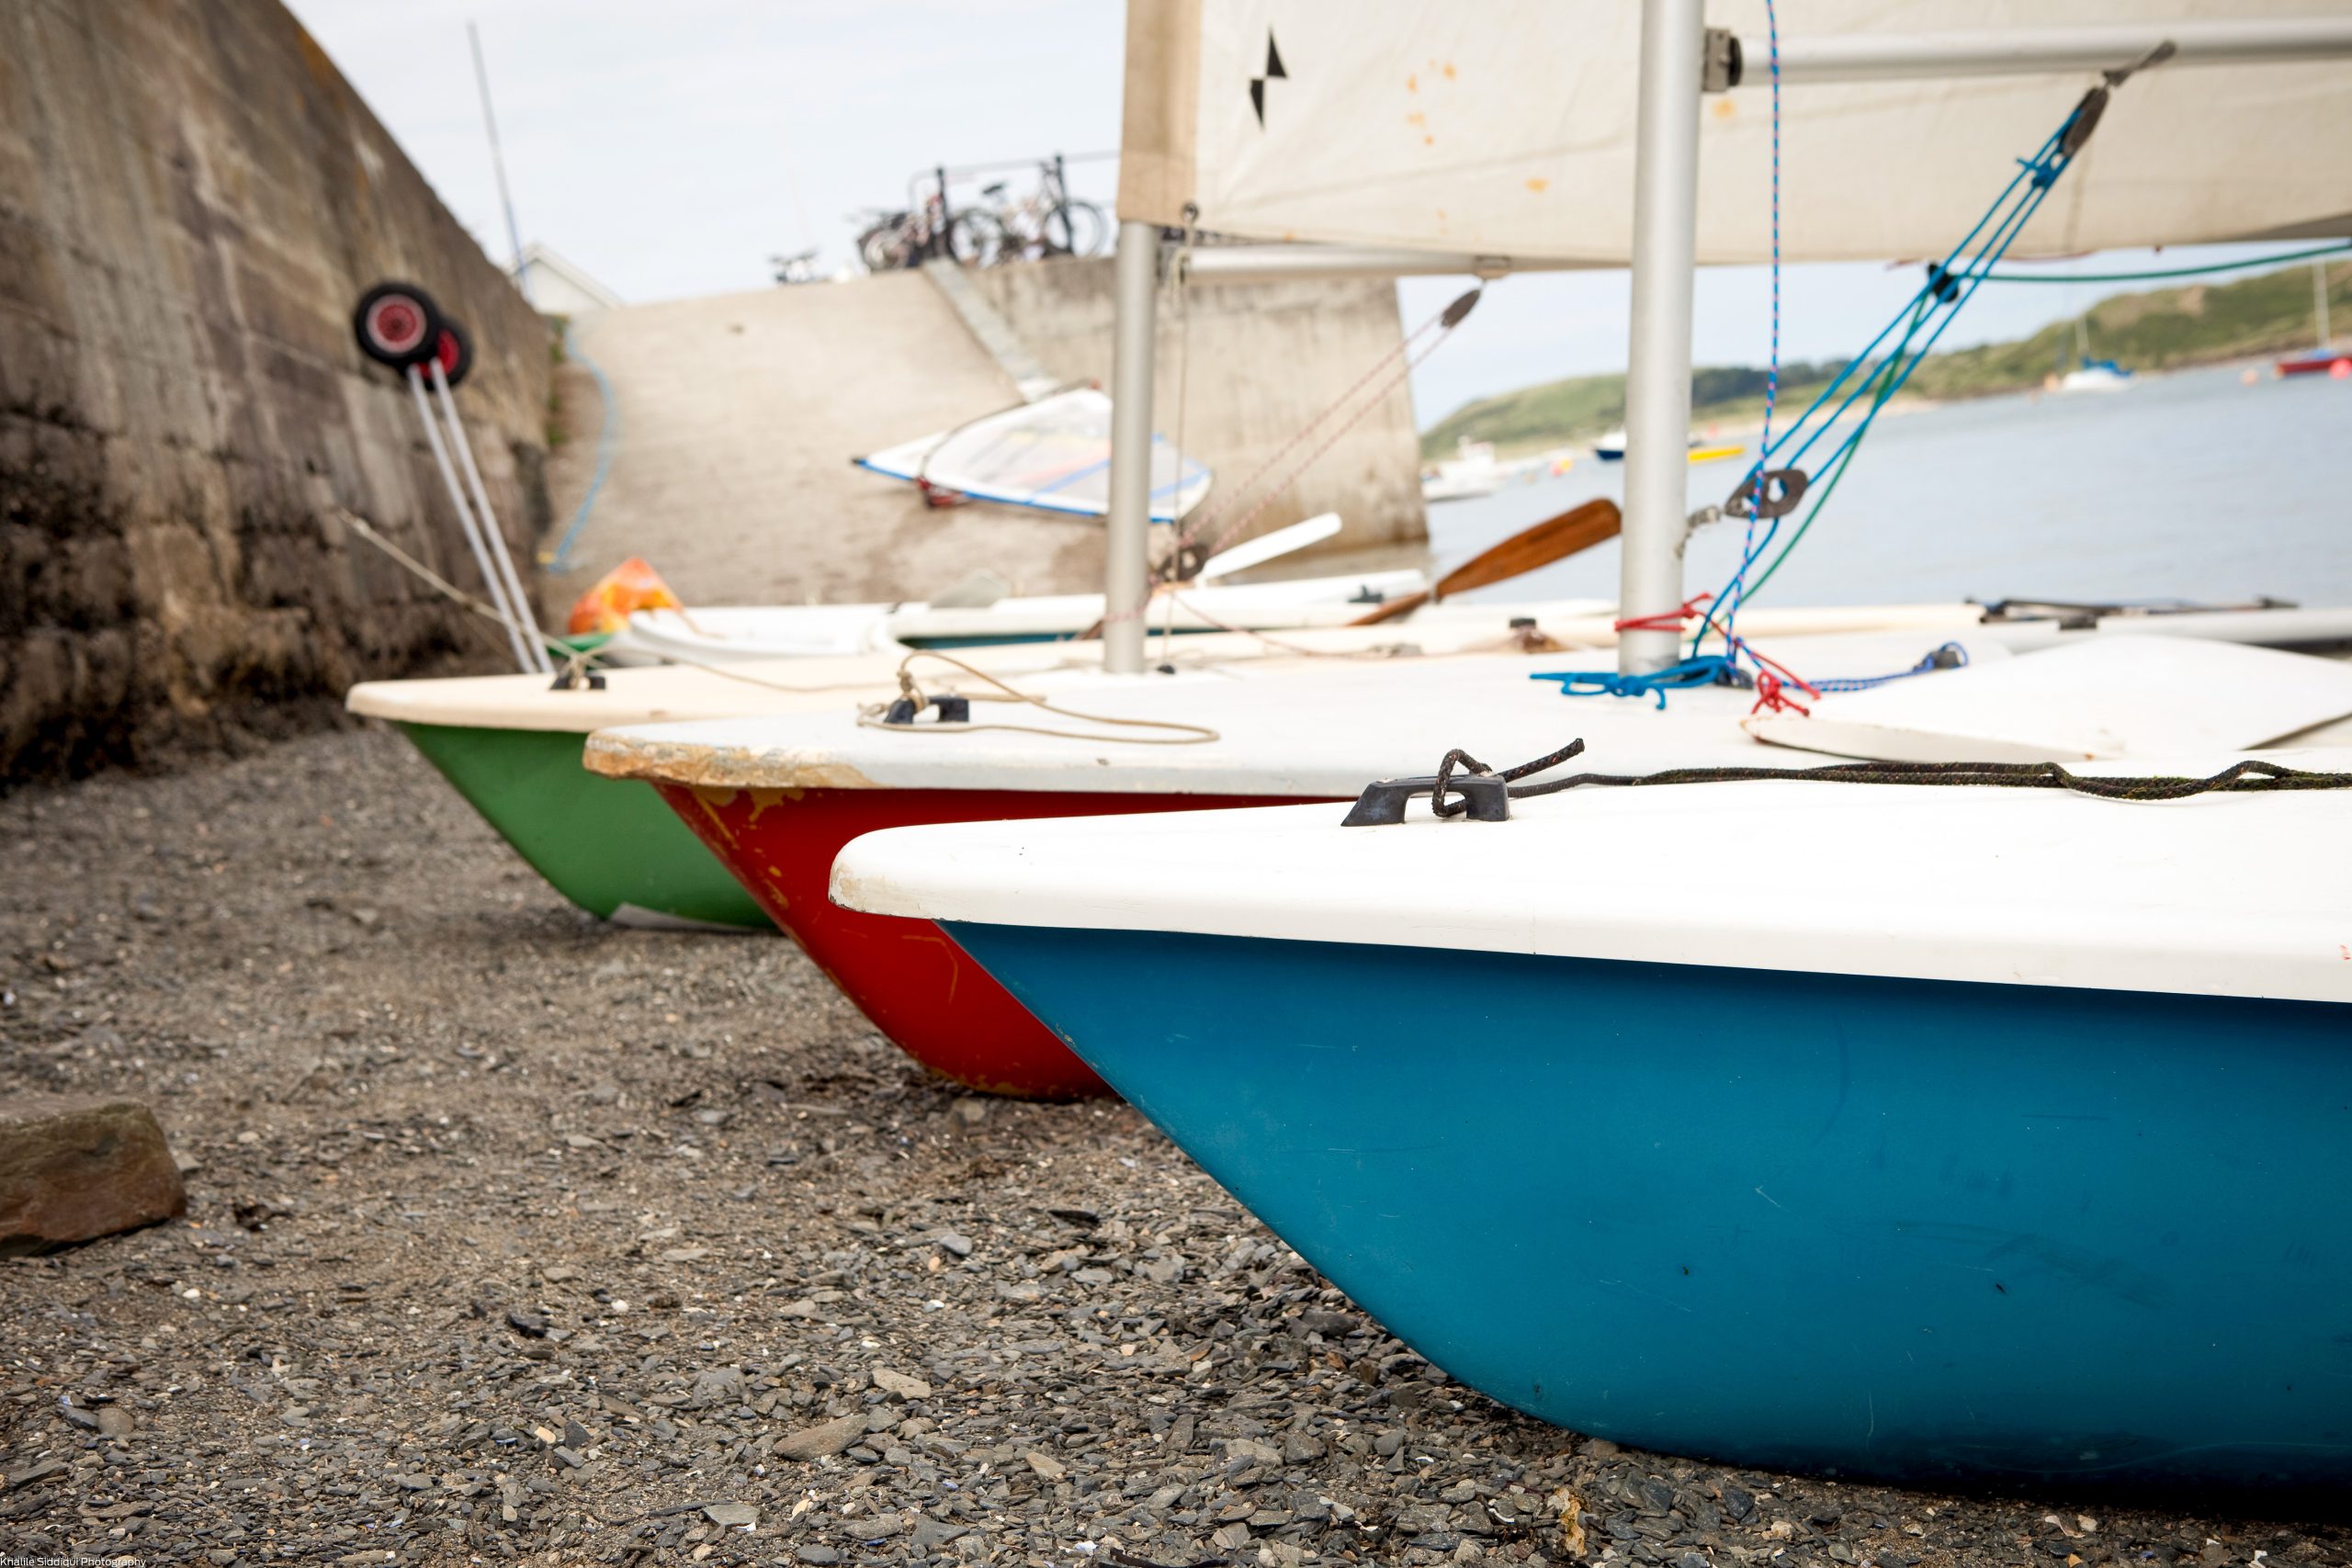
(511, 745)
(609, 845)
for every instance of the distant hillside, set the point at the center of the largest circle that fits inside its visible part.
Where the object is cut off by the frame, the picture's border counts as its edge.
(2268, 313)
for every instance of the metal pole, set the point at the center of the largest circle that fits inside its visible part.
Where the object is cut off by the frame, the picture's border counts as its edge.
(498, 160)
(516, 599)
(1657, 366)
(466, 520)
(1895, 56)
(1127, 526)
(1284, 262)
(2319, 298)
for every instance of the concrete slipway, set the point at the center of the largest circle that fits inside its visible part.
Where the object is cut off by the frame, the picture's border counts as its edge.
(739, 415)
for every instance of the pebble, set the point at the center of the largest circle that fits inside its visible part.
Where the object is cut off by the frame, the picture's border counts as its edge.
(820, 1441)
(900, 1383)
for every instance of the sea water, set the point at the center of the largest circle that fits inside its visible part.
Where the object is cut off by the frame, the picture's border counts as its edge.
(2199, 485)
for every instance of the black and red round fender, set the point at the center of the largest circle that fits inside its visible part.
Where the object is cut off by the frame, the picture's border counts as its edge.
(454, 349)
(397, 325)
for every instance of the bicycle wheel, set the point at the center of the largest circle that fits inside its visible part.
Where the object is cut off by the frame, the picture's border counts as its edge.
(878, 247)
(975, 239)
(1076, 228)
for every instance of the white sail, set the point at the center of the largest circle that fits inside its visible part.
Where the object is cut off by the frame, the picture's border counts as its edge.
(1052, 454)
(1506, 128)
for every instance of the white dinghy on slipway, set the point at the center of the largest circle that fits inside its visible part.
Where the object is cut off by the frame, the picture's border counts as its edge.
(979, 613)
(1052, 454)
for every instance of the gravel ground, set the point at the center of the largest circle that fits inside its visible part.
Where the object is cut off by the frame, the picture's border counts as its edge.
(513, 1238)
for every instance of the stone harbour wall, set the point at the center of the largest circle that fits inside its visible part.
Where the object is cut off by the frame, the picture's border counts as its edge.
(191, 200)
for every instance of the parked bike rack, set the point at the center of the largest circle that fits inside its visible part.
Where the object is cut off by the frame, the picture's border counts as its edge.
(925, 227)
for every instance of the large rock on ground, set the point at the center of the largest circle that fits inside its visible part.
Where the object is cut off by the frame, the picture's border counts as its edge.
(71, 1169)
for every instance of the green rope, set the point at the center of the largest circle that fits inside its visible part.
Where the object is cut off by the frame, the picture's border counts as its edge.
(1878, 400)
(2166, 272)
(1827, 491)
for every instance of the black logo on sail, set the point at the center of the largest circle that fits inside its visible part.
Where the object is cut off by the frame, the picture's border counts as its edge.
(1258, 84)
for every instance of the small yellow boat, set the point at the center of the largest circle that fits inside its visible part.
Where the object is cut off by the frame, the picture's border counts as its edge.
(1611, 448)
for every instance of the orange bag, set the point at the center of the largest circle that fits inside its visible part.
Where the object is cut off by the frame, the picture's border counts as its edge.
(632, 585)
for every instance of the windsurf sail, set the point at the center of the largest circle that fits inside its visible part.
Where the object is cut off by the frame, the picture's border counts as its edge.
(1053, 454)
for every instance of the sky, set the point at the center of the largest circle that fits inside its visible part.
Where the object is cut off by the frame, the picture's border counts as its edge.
(670, 149)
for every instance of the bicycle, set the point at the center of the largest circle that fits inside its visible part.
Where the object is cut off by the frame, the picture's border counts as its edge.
(1046, 224)
(903, 239)
(798, 267)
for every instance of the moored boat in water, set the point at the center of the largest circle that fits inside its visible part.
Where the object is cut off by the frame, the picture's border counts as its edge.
(2326, 360)
(2096, 376)
(1611, 448)
(2333, 363)
(1470, 473)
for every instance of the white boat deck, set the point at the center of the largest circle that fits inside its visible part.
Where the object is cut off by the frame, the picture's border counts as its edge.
(703, 689)
(2103, 697)
(669, 693)
(2211, 896)
(1299, 728)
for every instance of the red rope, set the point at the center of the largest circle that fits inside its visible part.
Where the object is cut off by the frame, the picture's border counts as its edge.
(1770, 698)
(1772, 679)
(1667, 621)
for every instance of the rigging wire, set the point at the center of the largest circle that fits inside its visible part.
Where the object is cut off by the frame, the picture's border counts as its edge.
(2197, 271)
(1403, 358)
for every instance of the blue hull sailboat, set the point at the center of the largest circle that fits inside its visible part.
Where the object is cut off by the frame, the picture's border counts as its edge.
(1660, 1113)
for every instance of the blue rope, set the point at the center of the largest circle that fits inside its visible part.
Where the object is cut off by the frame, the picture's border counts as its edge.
(1706, 670)
(1772, 373)
(1717, 670)
(1950, 656)
(608, 440)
